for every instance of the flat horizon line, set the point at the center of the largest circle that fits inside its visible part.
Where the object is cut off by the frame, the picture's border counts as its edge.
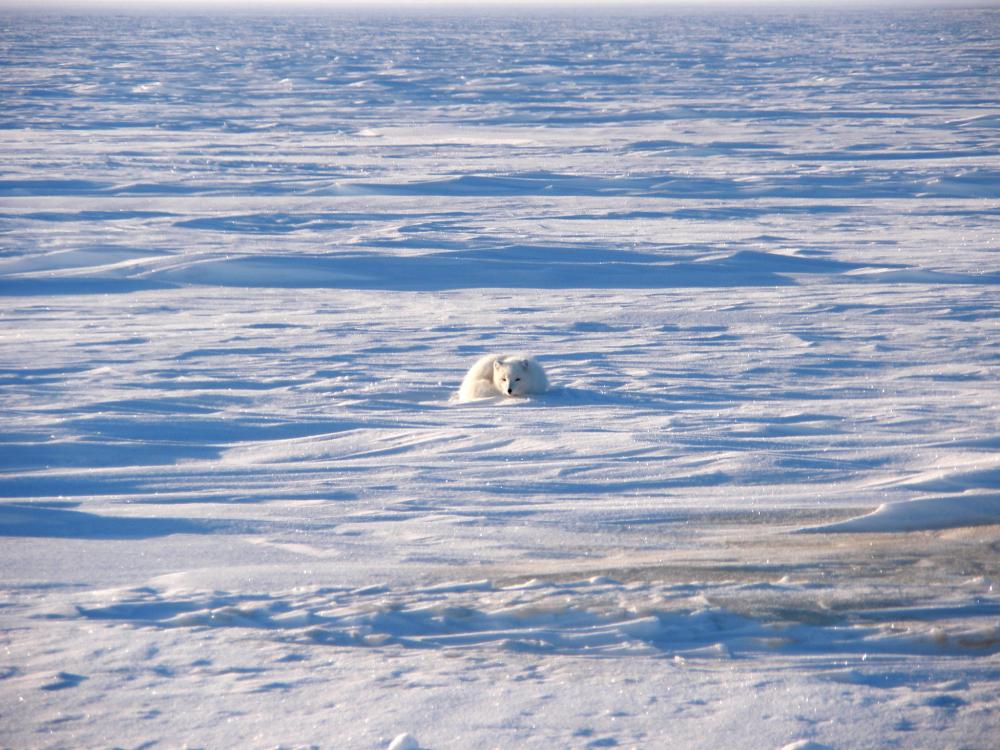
(534, 7)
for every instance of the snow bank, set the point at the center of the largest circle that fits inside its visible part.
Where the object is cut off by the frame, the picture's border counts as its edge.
(924, 514)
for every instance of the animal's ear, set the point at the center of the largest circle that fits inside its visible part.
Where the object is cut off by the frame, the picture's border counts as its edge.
(524, 363)
(496, 364)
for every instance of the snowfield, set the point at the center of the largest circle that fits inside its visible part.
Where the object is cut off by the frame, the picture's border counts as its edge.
(245, 262)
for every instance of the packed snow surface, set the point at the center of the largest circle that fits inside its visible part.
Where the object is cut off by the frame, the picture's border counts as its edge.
(245, 263)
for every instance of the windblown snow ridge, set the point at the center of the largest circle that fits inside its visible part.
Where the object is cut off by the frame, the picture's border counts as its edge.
(924, 514)
(104, 269)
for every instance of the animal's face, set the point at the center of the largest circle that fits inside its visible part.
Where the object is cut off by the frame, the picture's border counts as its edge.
(510, 378)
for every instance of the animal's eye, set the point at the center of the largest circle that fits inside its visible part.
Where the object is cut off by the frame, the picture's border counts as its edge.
(517, 380)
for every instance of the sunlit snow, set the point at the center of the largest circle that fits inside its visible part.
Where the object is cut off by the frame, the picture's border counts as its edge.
(245, 262)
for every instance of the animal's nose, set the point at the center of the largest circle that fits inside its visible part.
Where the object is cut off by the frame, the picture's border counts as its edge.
(510, 391)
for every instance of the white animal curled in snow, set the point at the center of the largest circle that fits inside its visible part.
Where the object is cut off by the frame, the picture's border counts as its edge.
(503, 375)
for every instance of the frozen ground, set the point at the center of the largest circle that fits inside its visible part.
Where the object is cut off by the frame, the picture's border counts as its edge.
(246, 262)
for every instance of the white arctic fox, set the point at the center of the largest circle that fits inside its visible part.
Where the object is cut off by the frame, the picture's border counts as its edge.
(503, 375)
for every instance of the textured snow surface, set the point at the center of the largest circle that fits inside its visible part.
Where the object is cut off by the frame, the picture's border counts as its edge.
(246, 261)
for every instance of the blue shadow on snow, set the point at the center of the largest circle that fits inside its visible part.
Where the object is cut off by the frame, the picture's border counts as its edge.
(50, 521)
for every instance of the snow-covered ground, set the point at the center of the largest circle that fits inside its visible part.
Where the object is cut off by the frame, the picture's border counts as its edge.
(246, 261)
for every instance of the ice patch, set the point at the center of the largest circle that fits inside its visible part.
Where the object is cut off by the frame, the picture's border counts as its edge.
(598, 616)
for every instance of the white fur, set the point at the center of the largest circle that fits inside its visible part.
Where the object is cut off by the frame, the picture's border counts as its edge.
(503, 375)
